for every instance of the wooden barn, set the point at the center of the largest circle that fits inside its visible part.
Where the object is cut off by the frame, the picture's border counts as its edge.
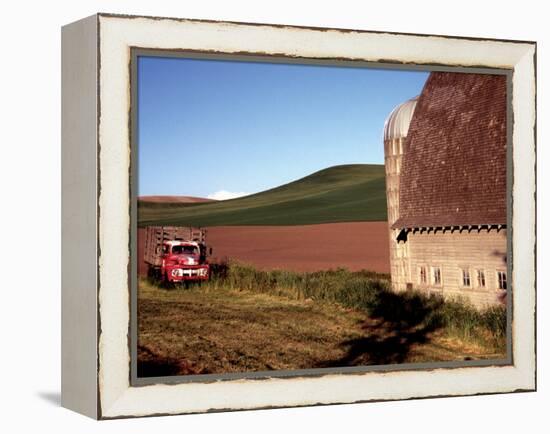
(445, 157)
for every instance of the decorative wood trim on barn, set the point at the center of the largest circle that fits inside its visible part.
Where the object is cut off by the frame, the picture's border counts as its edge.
(402, 234)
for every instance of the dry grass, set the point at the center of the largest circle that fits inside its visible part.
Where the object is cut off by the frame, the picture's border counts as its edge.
(212, 329)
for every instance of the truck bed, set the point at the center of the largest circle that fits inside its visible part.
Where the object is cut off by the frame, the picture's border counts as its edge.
(156, 235)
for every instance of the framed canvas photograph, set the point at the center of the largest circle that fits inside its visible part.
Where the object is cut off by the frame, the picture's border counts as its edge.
(261, 216)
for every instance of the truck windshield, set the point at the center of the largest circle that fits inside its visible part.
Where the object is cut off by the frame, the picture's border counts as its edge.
(188, 250)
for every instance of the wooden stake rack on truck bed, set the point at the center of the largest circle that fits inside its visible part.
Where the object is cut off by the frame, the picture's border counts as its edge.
(155, 236)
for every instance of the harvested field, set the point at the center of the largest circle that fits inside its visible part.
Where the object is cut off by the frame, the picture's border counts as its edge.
(355, 246)
(206, 329)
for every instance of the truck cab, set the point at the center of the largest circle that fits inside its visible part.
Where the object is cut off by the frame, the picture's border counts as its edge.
(183, 261)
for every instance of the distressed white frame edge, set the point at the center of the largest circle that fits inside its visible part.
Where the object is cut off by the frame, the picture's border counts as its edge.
(79, 98)
(117, 397)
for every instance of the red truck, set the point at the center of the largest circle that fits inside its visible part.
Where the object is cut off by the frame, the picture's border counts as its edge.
(176, 254)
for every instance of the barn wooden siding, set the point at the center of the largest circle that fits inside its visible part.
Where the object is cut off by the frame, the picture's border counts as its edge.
(453, 251)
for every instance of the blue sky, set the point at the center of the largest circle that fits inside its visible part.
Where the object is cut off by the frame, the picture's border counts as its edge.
(211, 126)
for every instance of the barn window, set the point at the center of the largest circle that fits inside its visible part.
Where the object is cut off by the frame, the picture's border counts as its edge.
(501, 277)
(480, 278)
(436, 272)
(466, 281)
(423, 277)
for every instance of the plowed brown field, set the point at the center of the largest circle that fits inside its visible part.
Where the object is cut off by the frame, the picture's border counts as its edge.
(355, 246)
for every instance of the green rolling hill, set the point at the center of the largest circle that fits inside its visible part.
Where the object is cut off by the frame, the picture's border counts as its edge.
(347, 193)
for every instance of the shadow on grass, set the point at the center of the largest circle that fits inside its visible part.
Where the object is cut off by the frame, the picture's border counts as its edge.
(153, 365)
(397, 322)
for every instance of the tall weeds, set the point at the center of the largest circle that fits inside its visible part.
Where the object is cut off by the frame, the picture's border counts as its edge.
(370, 292)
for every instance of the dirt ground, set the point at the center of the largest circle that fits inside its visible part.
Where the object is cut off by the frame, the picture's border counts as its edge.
(201, 331)
(355, 246)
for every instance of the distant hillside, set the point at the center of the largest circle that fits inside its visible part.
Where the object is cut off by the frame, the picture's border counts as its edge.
(173, 199)
(354, 192)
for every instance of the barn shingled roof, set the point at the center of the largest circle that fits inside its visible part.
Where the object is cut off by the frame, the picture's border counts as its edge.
(454, 167)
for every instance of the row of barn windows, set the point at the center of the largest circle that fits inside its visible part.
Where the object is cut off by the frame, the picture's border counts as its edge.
(467, 277)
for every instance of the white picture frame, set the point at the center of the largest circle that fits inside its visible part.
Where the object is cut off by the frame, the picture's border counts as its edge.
(96, 139)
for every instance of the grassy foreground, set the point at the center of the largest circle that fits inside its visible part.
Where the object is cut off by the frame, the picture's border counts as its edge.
(346, 193)
(249, 320)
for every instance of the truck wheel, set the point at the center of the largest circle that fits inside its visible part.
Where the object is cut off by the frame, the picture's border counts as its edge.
(154, 276)
(165, 282)
(151, 275)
